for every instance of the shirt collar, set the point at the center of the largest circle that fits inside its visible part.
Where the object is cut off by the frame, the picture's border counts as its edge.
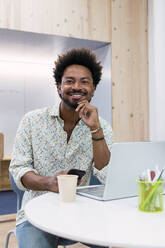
(55, 112)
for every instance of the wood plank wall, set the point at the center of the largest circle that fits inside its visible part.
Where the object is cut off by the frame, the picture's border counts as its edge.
(4, 174)
(130, 98)
(121, 22)
(84, 19)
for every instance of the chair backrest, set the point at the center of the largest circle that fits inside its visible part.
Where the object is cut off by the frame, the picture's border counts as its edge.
(18, 192)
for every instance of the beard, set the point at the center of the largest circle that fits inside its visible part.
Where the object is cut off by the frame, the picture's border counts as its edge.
(74, 104)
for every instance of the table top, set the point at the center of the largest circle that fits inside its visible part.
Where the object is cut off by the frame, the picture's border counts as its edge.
(111, 223)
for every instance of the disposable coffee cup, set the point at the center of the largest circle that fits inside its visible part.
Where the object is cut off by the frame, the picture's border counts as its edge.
(67, 187)
(150, 196)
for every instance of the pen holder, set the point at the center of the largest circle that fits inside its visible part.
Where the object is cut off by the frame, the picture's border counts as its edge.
(150, 196)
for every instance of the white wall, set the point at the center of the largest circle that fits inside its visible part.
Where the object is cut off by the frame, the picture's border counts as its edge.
(156, 25)
(103, 94)
(23, 87)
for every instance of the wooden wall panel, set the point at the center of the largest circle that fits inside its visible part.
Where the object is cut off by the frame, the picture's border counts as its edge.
(4, 174)
(1, 146)
(130, 70)
(86, 19)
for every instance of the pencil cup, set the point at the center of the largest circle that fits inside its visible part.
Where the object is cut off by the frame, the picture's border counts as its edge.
(67, 187)
(150, 196)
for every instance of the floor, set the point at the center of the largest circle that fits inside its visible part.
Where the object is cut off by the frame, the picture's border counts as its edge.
(7, 222)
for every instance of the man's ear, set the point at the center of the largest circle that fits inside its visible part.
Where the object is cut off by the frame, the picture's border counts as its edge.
(59, 87)
(94, 88)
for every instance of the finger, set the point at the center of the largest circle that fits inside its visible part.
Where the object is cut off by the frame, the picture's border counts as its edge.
(79, 107)
(83, 101)
(64, 172)
(82, 111)
(79, 181)
(61, 173)
(86, 112)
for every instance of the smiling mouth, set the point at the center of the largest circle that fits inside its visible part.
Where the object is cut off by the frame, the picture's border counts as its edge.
(77, 93)
(77, 96)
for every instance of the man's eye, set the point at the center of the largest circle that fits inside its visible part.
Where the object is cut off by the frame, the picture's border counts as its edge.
(68, 81)
(84, 82)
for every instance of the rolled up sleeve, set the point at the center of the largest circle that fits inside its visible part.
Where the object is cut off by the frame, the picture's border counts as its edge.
(22, 156)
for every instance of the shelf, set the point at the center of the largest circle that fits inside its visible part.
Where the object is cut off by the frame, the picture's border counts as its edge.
(5, 159)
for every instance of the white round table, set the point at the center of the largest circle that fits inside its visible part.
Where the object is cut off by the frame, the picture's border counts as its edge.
(112, 223)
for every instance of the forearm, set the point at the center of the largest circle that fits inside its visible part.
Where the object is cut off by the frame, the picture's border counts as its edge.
(40, 183)
(101, 153)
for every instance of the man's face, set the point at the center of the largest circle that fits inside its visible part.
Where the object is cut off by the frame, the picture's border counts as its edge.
(77, 85)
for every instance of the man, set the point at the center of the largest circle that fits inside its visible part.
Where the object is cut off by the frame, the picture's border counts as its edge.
(52, 140)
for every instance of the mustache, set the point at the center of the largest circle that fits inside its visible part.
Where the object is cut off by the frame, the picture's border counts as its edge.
(81, 92)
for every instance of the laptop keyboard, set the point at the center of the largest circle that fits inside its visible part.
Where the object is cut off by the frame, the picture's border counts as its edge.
(96, 191)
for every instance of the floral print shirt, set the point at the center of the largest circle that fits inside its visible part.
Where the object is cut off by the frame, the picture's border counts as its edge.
(41, 146)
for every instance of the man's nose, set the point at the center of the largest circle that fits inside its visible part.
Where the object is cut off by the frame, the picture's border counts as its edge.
(77, 85)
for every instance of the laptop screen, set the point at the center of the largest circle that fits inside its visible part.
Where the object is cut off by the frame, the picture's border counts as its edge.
(128, 161)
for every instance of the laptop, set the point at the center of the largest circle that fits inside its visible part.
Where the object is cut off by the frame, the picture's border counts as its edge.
(128, 161)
